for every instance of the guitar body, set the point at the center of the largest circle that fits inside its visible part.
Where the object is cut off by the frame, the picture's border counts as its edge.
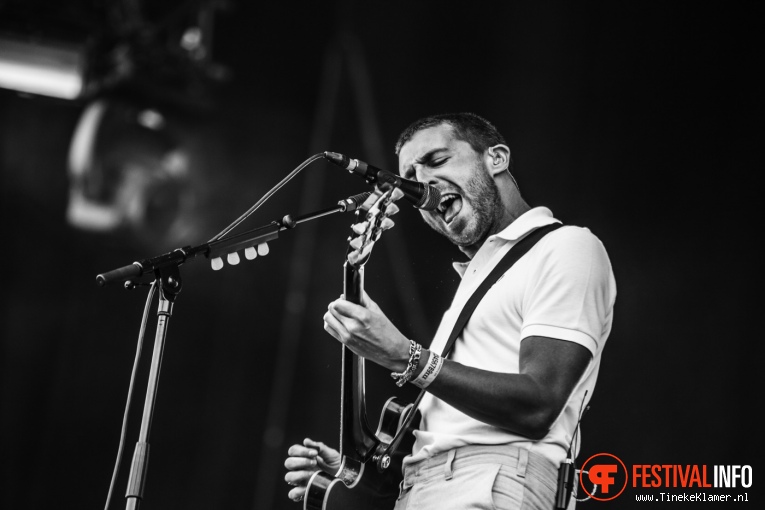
(359, 485)
(373, 491)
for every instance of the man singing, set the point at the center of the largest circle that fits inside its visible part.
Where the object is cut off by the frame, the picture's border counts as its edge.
(501, 412)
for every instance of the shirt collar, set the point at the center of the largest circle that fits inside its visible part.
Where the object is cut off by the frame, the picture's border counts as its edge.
(523, 224)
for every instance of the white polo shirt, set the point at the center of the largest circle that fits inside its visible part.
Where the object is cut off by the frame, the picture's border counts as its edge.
(562, 288)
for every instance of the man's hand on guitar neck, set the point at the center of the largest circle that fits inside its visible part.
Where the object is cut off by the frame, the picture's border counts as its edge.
(367, 332)
(306, 459)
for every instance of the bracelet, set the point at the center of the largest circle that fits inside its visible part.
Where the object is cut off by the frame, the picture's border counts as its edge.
(415, 350)
(429, 373)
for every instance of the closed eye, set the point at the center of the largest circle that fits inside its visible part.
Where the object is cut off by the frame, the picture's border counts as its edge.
(431, 160)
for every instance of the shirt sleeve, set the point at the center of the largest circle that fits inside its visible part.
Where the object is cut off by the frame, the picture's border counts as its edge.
(571, 295)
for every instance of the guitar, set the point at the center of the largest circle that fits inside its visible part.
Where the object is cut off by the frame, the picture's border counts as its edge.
(370, 467)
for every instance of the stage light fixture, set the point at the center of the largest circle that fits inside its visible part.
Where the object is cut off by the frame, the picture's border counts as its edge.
(129, 175)
(47, 68)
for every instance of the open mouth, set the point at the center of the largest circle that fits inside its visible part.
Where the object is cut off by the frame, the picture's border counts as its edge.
(450, 205)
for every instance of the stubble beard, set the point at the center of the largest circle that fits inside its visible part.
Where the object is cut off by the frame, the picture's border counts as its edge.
(482, 194)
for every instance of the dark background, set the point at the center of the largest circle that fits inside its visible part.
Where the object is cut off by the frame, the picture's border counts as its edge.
(635, 119)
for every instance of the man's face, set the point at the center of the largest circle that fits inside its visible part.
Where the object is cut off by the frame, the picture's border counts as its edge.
(470, 205)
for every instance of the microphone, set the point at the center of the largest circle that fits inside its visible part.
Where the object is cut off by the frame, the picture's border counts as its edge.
(422, 196)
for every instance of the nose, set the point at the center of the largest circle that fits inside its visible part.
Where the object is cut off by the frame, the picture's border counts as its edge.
(424, 174)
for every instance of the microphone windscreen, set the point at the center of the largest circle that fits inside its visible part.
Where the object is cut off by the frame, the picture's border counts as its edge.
(430, 199)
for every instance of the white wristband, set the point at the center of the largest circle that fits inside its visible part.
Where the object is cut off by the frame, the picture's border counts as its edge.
(429, 373)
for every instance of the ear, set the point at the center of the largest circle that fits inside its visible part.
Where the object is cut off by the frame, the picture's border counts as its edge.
(497, 158)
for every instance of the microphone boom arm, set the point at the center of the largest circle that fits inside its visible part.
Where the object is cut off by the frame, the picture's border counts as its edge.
(221, 247)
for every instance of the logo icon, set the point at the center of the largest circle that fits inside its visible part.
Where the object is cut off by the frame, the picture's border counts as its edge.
(605, 475)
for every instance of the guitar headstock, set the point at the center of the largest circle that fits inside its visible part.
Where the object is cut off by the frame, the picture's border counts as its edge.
(368, 231)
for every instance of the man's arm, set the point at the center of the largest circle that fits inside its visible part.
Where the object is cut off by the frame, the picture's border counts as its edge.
(526, 403)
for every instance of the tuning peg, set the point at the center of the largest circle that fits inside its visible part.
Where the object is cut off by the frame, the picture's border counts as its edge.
(250, 253)
(263, 249)
(233, 258)
(217, 263)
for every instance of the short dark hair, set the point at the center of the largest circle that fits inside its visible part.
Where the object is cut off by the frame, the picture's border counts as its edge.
(468, 127)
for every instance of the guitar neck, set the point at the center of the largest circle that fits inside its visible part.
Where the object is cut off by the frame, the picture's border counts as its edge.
(356, 437)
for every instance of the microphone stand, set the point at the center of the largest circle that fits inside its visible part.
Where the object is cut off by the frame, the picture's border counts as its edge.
(168, 278)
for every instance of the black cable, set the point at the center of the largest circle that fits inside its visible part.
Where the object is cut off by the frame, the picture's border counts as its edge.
(567, 470)
(582, 410)
(265, 197)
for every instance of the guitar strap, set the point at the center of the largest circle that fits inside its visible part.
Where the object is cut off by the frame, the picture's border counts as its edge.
(511, 257)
